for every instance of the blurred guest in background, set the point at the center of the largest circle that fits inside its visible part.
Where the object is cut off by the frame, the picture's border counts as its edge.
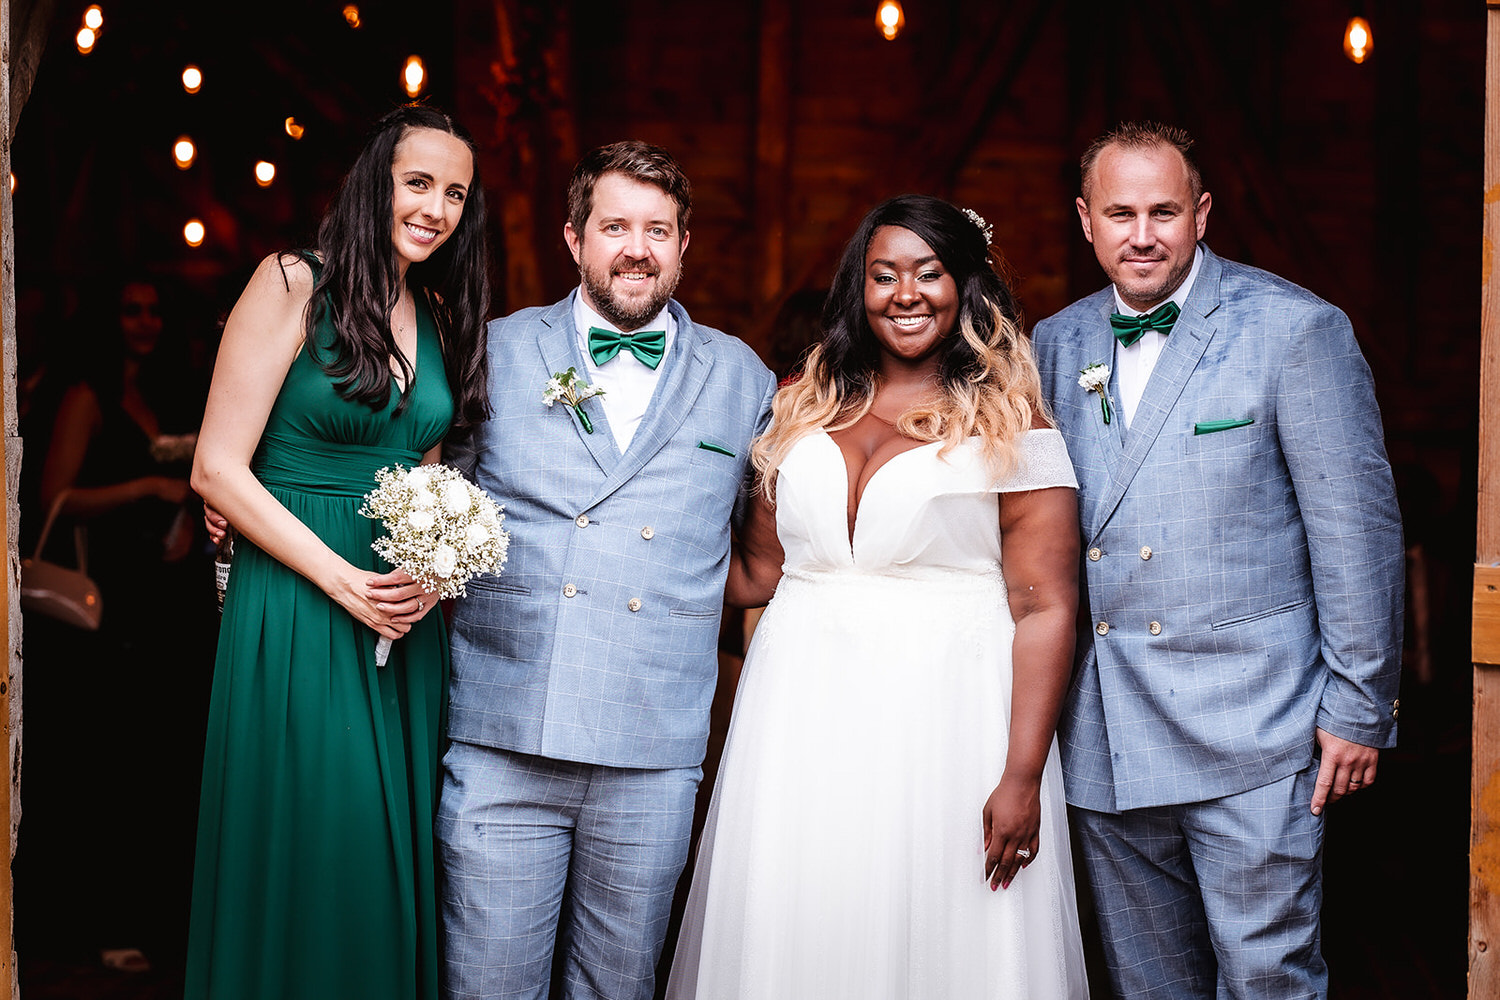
(120, 710)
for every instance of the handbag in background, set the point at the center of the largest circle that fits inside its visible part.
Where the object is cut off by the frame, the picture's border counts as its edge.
(50, 589)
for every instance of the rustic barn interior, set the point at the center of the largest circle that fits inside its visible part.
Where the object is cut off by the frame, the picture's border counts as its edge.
(1361, 181)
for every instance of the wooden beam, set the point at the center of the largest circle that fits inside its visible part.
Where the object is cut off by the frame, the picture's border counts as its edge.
(772, 154)
(1484, 829)
(30, 22)
(981, 74)
(10, 460)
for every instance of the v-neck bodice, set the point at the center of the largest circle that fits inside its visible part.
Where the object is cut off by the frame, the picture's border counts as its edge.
(921, 513)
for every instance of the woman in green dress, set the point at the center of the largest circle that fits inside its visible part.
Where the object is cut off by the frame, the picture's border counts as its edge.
(314, 872)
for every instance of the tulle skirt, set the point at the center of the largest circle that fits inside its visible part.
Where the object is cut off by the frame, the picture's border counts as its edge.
(843, 853)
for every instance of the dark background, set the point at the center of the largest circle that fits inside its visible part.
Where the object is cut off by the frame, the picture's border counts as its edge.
(1361, 182)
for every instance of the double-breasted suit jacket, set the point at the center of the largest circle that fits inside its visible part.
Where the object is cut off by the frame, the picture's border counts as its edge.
(598, 642)
(1242, 546)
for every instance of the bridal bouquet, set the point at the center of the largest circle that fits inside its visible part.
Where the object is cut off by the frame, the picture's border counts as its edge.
(441, 528)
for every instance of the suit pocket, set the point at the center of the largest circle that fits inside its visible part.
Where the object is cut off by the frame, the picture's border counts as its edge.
(1214, 426)
(1259, 615)
(498, 585)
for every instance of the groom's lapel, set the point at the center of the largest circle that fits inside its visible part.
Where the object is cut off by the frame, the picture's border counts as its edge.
(1180, 355)
(558, 342)
(688, 363)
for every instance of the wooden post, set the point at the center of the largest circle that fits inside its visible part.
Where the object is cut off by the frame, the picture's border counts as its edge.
(1484, 834)
(10, 456)
(772, 139)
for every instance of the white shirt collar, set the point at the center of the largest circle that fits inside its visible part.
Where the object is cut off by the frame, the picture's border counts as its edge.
(585, 316)
(1179, 296)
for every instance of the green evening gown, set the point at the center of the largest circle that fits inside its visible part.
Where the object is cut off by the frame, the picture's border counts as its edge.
(314, 875)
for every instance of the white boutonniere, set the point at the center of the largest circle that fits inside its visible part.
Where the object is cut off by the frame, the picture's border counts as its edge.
(1095, 378)
(572, 391)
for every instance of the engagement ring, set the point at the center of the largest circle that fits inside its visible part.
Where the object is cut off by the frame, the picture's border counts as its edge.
(1024, 854)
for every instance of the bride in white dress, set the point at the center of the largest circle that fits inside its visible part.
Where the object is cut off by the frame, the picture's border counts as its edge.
(888, 821)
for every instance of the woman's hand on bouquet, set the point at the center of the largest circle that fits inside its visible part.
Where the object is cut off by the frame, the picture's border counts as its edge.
(396, 594)
(1012, 826)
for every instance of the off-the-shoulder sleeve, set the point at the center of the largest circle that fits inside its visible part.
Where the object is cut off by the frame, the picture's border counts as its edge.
(1041, 462)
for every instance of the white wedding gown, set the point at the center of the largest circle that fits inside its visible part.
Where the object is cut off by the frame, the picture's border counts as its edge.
(843, 853)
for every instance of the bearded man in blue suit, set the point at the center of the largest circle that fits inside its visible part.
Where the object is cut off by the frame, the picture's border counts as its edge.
(582, 676)
(1244, 571)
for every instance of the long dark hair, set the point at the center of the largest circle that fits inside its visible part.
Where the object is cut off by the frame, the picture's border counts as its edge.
(359, 281)
(990, 388)
(851, 355)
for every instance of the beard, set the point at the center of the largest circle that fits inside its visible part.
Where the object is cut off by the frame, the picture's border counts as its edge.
(625, 314)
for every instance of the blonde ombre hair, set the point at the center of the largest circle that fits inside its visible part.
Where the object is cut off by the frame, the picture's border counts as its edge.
(990, 386)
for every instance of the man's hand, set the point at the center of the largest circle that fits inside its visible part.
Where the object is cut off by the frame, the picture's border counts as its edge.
(1346, 768)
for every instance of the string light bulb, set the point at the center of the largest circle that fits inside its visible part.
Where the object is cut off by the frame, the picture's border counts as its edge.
(265, 173)
(293, 128)
(93, 18)
(184, 152)
(85, 40)
(193, 233)
(413, 75)
(1358, 39)
(351, 16)
(192, 78)
(890, 19)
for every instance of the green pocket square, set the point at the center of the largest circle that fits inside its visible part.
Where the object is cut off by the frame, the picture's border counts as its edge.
(1209, 426)
(709, 446)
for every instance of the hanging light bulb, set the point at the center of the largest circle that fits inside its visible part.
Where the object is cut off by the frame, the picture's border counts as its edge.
(265, 173)
(193, 233)
(1358, 39)
(85, 40)
(890, 19)
(351, 16)
(294, 129)
(192, 78)
(93, 18)
(184, 152)
(413, 75)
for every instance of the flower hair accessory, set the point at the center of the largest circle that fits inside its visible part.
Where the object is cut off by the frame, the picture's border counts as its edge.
(985, 229)
(1095, 378)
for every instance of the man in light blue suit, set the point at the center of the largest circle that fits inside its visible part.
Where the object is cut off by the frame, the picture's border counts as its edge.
(1244, 571)
(582, 676)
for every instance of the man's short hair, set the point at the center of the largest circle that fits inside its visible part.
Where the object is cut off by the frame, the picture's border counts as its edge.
(637, 160)
(1142, 135)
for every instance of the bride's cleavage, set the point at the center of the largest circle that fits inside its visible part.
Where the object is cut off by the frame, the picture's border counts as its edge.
(866, 448)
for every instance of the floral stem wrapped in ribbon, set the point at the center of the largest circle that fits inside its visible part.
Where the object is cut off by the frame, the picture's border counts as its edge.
(440, 528)
(570, 390)
(1095, 378)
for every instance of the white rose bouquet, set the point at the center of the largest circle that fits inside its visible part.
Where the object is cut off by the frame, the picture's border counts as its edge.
(441, 528)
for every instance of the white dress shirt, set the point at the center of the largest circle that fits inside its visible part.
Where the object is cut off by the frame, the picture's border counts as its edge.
(1134, 364)
(628, 385)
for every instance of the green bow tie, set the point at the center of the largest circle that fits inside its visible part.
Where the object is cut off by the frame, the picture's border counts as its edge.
(1128, 329)
(647, 345)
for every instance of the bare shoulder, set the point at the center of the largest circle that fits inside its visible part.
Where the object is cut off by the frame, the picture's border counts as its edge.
(273, 305)
(1039, 421)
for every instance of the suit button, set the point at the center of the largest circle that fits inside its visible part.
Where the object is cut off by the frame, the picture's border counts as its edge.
(582, 520)
(634, 604)
(647, 533)
(1155, 628)
(1095, 554)
(1102, 628)
(1145, 552)
(569, 590)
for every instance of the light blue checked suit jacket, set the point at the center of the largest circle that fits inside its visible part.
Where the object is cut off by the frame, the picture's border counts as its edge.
(598, 642)
(1270, 600)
